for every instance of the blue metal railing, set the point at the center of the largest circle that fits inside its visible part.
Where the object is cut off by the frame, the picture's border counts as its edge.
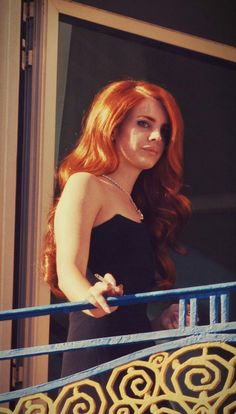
(220, 328)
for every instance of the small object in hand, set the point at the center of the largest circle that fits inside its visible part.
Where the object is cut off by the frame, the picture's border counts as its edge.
(100, 278)
(109, 284)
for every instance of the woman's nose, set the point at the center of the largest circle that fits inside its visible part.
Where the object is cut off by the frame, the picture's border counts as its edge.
(154, 136)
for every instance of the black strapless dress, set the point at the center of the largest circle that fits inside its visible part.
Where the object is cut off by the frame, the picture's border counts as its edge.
(121, 247)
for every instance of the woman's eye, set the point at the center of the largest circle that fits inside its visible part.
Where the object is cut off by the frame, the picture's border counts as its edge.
(143, 123)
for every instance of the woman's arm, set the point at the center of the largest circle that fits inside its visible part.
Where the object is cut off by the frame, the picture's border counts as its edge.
(76, 212)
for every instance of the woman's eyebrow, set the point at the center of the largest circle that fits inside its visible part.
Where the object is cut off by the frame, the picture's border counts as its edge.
(150, 118)
(147, 117)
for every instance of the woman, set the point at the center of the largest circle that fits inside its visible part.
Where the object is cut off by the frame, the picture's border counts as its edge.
(119, 211)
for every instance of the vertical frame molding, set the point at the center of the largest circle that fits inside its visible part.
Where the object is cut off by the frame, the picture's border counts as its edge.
(41, 183)
(10, 17)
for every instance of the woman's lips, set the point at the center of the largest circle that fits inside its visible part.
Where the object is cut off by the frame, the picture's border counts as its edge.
(150, 148)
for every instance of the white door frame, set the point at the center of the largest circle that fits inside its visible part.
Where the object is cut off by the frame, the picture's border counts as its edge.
(10, 16)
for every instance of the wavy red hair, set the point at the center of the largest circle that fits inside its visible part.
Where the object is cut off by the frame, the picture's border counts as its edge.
(156, 192)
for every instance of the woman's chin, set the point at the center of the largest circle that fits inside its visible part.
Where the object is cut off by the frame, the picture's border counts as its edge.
(148, 164)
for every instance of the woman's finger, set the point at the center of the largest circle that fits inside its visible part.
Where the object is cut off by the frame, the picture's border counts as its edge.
(109, 278)
(97, 299)
(111, 288)
(114, 290)
(106, 286)
(119, 290)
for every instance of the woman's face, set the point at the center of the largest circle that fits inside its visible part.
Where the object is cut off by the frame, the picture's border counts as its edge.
(140, 138)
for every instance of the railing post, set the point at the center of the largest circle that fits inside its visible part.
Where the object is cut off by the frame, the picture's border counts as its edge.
(214, 307)
(224, 308)
(182, 312)
(193, 312)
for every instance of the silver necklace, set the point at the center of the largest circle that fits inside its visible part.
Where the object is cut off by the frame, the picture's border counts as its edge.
(140, 214)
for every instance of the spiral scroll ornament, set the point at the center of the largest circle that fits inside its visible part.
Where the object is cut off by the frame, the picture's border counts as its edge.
(38, 403)
(84, 397)
(202, 372)
(196, 379)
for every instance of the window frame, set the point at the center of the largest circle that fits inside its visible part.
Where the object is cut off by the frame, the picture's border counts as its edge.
(44, 111)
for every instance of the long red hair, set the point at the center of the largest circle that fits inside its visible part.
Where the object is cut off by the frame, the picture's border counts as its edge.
(157, 190)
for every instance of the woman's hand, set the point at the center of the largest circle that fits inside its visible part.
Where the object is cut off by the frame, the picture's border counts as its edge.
(169, 318)
(98, 292)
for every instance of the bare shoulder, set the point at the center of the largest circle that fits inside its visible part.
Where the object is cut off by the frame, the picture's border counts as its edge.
(84, 181)
(84, 186)
(82, 177)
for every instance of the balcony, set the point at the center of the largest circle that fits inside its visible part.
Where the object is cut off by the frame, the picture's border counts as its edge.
(191, 369)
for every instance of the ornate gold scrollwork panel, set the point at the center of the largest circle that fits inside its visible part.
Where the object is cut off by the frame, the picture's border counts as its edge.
(197, 379)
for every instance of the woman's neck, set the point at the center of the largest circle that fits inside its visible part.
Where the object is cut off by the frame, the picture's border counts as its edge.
(126, 179)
